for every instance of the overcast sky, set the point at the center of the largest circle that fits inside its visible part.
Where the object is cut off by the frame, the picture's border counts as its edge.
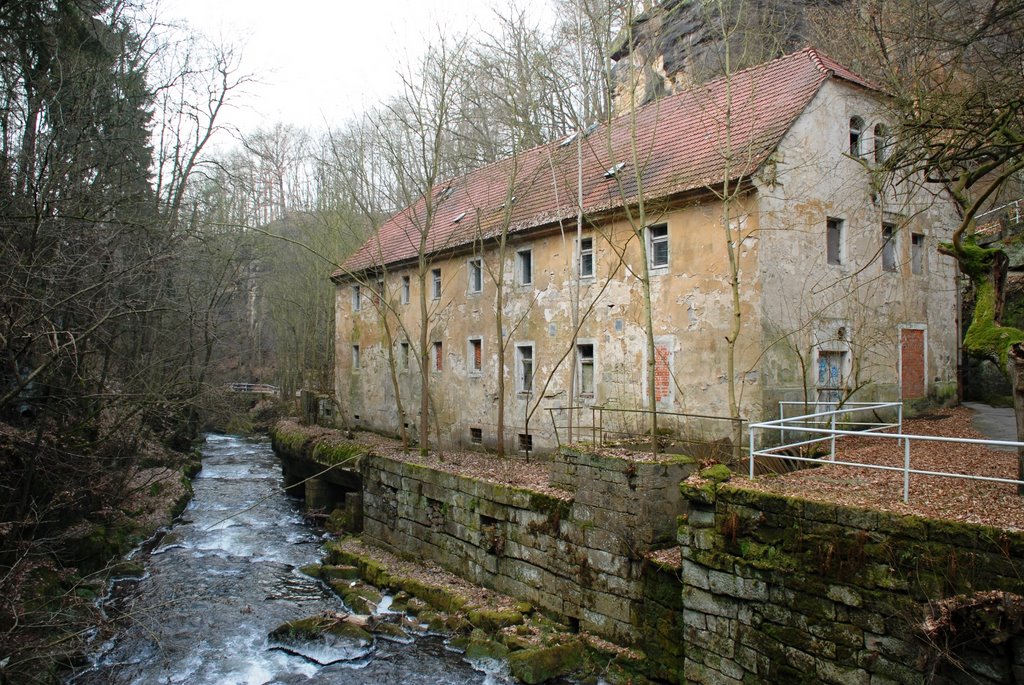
(323, 61)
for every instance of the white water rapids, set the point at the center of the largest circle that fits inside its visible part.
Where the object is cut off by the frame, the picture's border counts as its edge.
(225, 576)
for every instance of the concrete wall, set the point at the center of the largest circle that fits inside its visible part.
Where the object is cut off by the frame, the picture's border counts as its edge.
(580, 558)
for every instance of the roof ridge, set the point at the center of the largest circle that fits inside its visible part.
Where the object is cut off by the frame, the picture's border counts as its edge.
(682, 144)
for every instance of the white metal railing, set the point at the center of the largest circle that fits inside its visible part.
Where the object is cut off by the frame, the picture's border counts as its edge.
(846, 409)
(254, 388)
(829, 434)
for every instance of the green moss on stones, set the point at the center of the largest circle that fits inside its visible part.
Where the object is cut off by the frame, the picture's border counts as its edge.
(718, 473)
(479, 647)
(314, 627)
(494, 620)
(311, 570)
(546, 663)
(331, 453)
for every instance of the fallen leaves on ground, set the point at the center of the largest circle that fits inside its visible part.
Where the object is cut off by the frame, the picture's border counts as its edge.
(969, 501)
(431, 575)
(532, 473)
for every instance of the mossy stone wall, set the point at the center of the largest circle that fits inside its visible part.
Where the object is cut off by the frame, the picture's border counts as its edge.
(580, 556)
(777, 589)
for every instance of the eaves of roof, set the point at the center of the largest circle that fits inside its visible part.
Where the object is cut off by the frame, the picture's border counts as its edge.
(723, 129)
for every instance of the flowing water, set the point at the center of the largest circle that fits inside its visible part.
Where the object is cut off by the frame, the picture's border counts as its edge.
(225, 576)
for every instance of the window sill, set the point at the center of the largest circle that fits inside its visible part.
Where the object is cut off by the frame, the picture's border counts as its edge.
(658, 270)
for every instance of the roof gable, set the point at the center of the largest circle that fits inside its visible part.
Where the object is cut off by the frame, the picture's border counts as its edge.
(691, 140)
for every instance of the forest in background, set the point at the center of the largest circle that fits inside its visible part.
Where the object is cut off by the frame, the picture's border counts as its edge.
(140, 271)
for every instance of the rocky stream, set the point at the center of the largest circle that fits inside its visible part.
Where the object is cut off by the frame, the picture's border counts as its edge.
(225, 576)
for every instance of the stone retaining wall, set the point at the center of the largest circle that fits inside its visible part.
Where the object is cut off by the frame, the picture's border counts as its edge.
(578, 557)
(771, 589)
(781, 590)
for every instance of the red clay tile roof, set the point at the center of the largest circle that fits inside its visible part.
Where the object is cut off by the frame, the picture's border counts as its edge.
(681, 146)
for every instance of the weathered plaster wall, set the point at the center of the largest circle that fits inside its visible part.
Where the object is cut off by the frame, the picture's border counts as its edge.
(691, 301)
(579, 558)
(807, 300)
(782, 590)
(793, 303)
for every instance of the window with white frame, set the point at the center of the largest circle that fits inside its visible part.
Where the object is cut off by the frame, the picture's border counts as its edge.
(585, 369)
(888, 247)
(586, 252)
(856, 136)
(403, 356)
(435, 277)
(357, 298)
(476, 275)
(834, 240)
(657, 246)
(405, 290)
(524, 267)
(524, 367)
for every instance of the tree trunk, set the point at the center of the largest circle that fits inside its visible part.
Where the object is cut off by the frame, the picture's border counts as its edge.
(1015, 362)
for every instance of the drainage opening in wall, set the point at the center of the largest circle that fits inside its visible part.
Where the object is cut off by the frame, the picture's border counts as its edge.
(525, 442)
(574, 624)
(492, 536)
(355, 417)
(476, 435)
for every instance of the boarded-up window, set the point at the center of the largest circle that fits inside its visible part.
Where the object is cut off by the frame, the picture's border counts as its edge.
(662, 372)
(438, 356)
(831, 366)
(475, 355)
(912, 380)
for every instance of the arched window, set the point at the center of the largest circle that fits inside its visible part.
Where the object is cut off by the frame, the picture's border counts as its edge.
(856, 132)
(881, 143)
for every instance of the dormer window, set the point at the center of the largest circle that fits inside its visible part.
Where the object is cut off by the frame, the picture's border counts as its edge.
(856, 134)
(613, 171)
(568, 140)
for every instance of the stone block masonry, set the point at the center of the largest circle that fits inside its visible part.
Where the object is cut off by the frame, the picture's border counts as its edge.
(580, 556)
(771, 589)
(784, 590)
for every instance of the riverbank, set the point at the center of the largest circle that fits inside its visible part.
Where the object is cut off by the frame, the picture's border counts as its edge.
(575, 539)
(49, 585)
(478, 622)
(752, 578)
